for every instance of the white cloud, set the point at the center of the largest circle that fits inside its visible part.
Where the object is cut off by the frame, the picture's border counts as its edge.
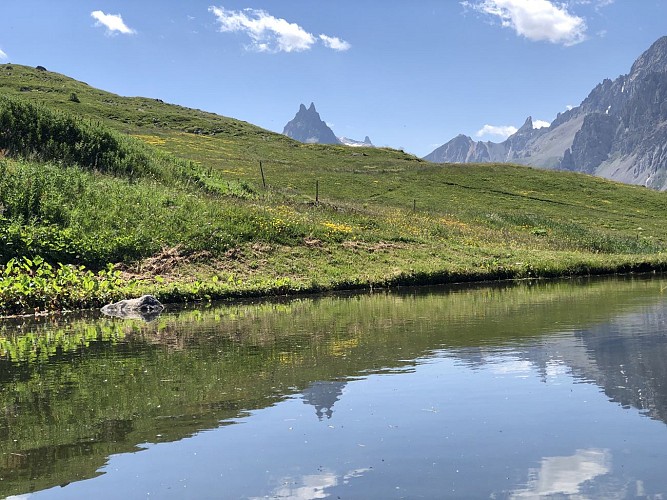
(603, 3)
(540, 124)
(112, 22)
(569, 107)
(537, 20)
(3, 55)
(599, 4)
(335, 43)
(271, 34)
(503, 131)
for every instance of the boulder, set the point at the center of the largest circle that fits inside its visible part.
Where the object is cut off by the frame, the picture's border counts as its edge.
(145, 307)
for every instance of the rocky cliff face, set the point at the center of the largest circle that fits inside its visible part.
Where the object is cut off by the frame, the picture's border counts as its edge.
(307, 126)
(619, 131)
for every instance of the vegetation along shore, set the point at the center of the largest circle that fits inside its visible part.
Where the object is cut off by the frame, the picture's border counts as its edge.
(104, 197)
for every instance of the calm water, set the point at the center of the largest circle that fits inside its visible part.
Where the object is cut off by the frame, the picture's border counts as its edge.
(554, 389)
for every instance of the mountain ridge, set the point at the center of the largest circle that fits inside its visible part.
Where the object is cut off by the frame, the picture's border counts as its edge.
(619, 131)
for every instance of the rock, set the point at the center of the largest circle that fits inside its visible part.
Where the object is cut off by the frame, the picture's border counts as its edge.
(145, 307)
(593, 142)
(40, 68)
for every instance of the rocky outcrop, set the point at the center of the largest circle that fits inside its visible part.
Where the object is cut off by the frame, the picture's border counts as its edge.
(145, 307)
(592, 143)
(619, 131)
(308, 127)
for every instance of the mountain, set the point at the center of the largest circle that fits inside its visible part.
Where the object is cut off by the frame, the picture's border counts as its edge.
(307, 126)
(366, 143)
(618, 132)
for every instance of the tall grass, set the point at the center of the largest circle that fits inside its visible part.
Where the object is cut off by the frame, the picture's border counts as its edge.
(69, 215)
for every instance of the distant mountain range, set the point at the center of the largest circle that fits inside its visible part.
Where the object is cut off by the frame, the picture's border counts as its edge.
(366, 143)
(619, 131)
(308, 127)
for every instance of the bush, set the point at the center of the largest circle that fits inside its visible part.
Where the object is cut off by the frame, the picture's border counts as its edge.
(31, 132)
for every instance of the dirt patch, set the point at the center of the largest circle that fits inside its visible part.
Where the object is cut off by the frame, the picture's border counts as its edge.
(312, 242)
(166, 262)
(380, 246)
(261, 247)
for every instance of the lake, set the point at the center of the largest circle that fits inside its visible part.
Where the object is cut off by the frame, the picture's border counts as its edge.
(515, 390)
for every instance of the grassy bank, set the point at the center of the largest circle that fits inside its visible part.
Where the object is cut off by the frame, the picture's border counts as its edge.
(104, 197)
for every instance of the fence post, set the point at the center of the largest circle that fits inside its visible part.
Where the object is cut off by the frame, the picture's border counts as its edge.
(262, 172)
(317, 191)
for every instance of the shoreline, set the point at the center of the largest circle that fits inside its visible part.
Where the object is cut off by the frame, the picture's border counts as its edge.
(205, 291)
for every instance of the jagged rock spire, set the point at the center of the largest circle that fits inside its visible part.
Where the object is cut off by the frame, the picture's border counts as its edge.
(307, 126)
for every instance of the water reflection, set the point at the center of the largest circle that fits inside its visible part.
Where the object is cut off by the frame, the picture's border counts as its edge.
(566, 475)
(323, 395)
(312, 486)
(533, 387)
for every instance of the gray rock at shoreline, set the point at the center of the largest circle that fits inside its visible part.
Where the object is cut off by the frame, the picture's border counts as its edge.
(145, 308)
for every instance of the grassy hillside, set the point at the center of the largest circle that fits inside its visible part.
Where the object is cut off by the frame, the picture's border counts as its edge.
(181, 210)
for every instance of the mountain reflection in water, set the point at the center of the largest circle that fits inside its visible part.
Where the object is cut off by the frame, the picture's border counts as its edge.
(514, 390)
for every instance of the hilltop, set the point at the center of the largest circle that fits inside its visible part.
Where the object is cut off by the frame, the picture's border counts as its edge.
(104, 196)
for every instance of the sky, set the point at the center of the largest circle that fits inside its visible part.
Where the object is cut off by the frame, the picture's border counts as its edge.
(410, 74)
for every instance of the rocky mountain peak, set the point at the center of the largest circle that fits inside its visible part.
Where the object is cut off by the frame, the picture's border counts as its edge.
(527, 125)
(308, 127)
(653, 60)
(619, 131)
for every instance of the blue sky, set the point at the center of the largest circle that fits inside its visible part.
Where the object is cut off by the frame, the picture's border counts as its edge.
(411, 74)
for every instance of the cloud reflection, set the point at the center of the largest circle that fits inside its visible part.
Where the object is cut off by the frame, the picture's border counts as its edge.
(312, 486)
(565, 475)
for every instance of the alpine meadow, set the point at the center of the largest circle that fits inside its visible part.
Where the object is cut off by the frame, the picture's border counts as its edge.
(103, 196)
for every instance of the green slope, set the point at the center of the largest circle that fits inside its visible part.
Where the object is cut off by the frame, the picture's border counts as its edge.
(197, 220)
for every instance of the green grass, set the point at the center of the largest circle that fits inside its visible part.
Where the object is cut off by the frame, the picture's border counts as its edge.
(181, 209)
